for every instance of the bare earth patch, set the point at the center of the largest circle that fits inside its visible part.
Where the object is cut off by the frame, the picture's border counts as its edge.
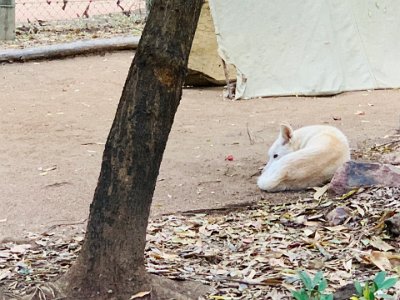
(55, 119)
(56, 116)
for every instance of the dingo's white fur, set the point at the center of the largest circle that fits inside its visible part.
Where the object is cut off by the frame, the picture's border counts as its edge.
(303, 158)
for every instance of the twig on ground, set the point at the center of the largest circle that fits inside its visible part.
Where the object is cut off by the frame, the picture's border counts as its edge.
(233, 207)
(243, 281)
(52, 227)
(251, 139)
(209, 181)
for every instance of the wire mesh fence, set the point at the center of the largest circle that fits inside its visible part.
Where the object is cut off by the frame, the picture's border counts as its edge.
(41, 11)
(42, 22)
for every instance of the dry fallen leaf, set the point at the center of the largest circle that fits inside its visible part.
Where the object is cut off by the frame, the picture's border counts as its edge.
(381, 245)
(337, 228)
(380, 260)
(220, 297)
(5, 274)
(20, 249)
(320, 191)
(247, 254)
(348, 265)
(140, 295)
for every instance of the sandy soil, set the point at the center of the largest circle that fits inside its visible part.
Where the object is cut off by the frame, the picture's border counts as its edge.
(55, 117)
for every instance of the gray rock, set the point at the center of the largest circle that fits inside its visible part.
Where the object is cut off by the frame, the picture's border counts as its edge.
(338, 215)
(359, 174)
(345, 292)
(393, 225)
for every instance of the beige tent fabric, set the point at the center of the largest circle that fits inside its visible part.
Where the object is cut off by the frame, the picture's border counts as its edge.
(205, 65)
(286, 47)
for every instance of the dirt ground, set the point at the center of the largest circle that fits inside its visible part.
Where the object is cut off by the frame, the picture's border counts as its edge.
(55, 117)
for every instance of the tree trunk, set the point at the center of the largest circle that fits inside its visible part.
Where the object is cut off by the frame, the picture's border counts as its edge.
(149, 4)
(111, 263)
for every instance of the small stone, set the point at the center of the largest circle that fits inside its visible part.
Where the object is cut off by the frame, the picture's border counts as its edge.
(338, 216)
(353, 175)
(345, 292)
(393, 225)
(73, 246)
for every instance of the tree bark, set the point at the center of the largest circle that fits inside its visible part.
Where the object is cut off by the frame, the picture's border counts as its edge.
(149, 4)
(111, 263)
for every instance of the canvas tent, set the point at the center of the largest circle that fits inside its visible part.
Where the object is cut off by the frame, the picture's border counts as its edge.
(205, 66)
(286, 47)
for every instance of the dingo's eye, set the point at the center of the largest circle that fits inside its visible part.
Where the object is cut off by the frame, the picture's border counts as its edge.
(275, 156)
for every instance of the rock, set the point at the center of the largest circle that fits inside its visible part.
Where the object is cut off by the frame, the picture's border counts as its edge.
(338, 215)
(353, 175)
(393, 225)
(345, 292)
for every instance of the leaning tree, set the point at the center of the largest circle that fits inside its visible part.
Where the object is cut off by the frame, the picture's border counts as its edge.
(111, 262)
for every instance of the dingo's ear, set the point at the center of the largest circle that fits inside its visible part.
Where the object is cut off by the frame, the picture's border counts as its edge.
(286, 133)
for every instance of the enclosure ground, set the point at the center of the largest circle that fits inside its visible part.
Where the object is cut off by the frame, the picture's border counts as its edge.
(44, 33)
(55, 118)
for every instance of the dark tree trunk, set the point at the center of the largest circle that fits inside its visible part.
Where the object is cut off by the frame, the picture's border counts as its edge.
(149, 3)
(111, 263)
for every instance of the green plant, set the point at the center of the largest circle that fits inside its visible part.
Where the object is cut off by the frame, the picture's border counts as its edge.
(313, 288)
(374, 290)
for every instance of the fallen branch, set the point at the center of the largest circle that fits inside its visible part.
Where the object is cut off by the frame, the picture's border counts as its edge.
(228, 208)
(251, 282)
(209, 181)
(70, 49)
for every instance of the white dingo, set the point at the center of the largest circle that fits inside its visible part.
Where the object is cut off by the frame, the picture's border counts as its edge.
(304, 158)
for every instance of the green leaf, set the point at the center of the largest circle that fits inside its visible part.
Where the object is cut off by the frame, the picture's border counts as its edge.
(358, 287)
(380, 278)
(373, 287)
(326, 297)
(296, 295)
(317, 278)
(306, 280)
(300, 295)
(322, 285)
(349, 194)
(367, 293)
(388, 283)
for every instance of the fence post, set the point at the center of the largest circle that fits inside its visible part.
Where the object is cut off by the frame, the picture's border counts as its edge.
(7, 19)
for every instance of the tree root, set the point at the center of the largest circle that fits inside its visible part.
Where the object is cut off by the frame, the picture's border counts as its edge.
(160, 289)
